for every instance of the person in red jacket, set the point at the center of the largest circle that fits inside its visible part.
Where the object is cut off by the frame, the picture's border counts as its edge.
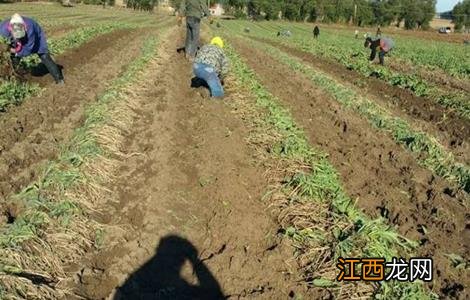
(382, 45)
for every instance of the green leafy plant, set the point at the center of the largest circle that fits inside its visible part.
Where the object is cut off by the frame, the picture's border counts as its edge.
(14, 92)
(348, 52)
(436, 158)
(359, 235)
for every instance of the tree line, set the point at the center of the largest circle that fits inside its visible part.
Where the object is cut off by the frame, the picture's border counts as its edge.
(413, 13)
(461, 15)
(146, 5)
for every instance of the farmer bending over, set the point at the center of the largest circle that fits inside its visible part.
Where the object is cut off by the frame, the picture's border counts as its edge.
(211, 65)
(26, 37)
(383, 45)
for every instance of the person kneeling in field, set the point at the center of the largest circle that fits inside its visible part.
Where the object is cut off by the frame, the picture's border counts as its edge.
(383, 45)
(211, 65)
(26, 37)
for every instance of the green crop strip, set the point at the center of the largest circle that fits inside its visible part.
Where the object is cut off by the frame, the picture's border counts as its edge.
(74, 39)
(430, 153)
(46, 204)
(420, 87)
(14, 92)
(66, 171)
(349, 231)
(451, 58)
(80, 36)
(347, 52)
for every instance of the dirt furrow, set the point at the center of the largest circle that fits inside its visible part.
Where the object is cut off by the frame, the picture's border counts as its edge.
(384, 178)
(32, 132)
(439, 77)
(451, 129)
(188, 199)
(59, 31)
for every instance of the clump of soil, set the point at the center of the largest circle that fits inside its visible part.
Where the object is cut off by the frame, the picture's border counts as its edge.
(9, 211)
(6, 67)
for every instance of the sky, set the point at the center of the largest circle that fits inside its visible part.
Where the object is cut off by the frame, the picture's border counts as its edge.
(445, 5)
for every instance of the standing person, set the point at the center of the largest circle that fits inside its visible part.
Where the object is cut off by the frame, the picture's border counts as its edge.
(356, 33)
(316, 32)
(26, 37)
(383, 45)
(194, 11)
(211, 65)
(379, 32)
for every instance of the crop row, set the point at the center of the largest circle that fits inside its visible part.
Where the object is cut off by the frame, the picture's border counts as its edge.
(14, 92)
(431, 154)
(53, 226)
(57, 15)
(355, 59)
(454, 59)
(315, 211)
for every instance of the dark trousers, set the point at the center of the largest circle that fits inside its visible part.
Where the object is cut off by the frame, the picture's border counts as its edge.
(52, 67)
(193, 25)
(381, 56)
(48, 62)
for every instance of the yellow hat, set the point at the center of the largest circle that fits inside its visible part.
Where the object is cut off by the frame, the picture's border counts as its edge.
(217, 41)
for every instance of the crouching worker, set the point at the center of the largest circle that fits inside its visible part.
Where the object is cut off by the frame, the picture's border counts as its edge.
(211, 65)
(27, 37)
(383, 45)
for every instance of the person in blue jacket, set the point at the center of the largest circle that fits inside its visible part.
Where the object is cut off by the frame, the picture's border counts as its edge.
(26, 37)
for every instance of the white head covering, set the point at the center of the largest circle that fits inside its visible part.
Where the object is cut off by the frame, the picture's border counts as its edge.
(17, 26)
(16, 19)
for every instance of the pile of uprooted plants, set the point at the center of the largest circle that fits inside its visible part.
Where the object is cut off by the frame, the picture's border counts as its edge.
(6, 68)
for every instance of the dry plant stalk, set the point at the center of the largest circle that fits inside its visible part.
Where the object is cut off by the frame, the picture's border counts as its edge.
(291, 209)
(47, 254)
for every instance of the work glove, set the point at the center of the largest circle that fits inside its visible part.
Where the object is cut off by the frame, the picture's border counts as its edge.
(15, 47)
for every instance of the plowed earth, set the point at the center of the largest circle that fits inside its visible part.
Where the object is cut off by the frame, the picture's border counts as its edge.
(384, 178)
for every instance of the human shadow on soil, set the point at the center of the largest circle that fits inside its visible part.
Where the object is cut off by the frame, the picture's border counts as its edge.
(160, 277)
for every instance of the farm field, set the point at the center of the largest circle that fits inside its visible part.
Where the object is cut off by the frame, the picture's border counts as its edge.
(128, 183)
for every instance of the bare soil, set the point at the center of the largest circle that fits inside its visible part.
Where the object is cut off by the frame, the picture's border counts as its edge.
(187, 220)
(32, 132)
(188, 201)
(384, 178)
(57, 32)
(439, 77)
(6, 67)
(452, 130)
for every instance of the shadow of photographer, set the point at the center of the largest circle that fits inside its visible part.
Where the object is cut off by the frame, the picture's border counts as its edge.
(160, 277)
